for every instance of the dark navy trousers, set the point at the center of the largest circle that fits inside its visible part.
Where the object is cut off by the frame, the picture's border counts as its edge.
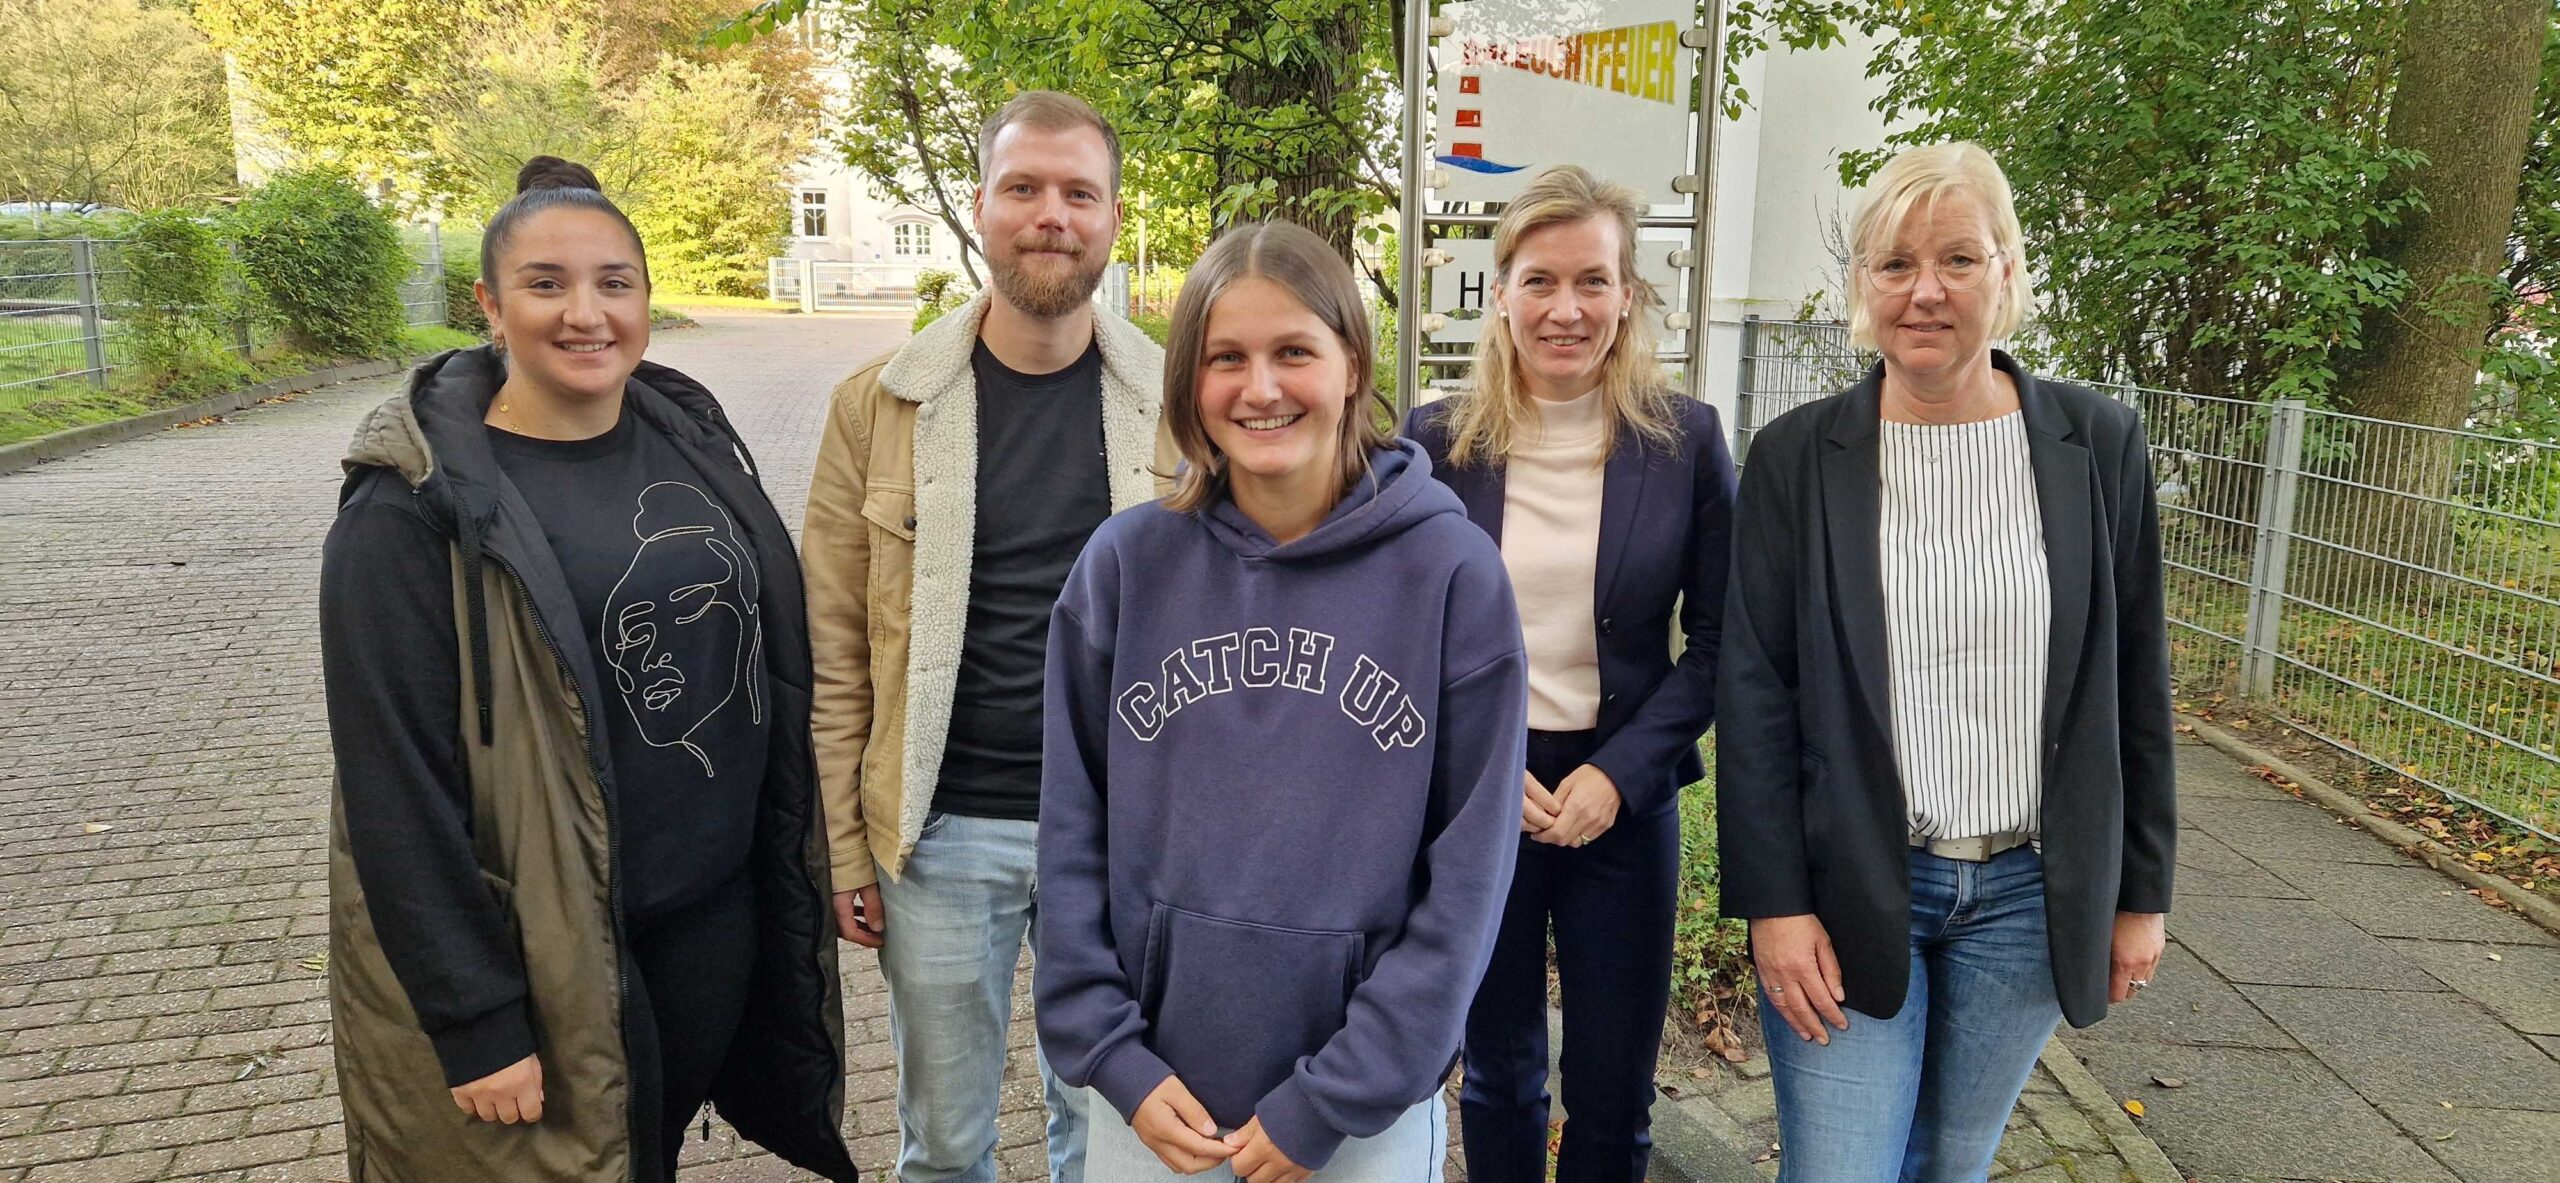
(1611, 904)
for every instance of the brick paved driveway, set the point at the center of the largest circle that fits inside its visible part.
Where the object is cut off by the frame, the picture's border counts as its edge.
(164, 786)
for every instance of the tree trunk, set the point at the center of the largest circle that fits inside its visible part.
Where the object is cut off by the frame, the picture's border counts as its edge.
(2467, 74)
(2466, 78)
(1290, 161)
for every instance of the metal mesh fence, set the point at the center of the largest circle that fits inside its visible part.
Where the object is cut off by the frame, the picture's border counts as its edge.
(63, 330)
(422, 293)
(56, 326)
(2393, 590)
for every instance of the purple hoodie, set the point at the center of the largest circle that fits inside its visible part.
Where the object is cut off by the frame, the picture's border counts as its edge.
(1279, 803)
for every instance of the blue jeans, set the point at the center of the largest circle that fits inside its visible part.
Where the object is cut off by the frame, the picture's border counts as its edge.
(1410, 1151)
(958, 913)
(1923, 1097)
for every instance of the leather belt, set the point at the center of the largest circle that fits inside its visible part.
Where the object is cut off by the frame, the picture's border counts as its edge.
(1971, 850)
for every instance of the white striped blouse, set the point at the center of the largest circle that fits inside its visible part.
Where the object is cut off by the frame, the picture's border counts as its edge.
(1967, 614)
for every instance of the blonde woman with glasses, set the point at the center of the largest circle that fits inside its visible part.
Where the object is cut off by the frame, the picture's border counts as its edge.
(1611, 496)
(1944, 759)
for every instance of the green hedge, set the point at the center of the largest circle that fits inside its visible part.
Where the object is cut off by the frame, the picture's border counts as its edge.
(327, 261)
(180, 292)
(308, 254)
(937, 292)
(461, 303)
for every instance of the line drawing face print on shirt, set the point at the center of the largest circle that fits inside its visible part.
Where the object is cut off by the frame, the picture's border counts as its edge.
(684, 646)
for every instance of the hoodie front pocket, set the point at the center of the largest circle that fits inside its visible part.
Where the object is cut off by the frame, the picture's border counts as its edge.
(1232, 1006)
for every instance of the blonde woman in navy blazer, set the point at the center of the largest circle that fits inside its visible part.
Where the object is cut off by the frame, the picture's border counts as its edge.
(1612, 497)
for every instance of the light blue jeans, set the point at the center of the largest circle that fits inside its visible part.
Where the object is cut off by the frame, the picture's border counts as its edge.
(1410, 1151)
(958, 913)
(1923, 1097)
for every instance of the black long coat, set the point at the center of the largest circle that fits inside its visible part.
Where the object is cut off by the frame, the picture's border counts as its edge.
(1810, 808)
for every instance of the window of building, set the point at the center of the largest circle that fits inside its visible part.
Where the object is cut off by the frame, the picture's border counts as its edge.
(911, 240)
(813, 213)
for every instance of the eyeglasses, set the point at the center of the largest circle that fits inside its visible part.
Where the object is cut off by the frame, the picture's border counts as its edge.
(1958, 271)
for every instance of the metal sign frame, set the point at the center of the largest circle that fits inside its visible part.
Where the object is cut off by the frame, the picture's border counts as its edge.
(1413, 221)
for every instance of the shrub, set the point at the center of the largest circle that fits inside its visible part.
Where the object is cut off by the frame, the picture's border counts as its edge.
(328, 261)
(179, 288)
(937, 292)
(461, 303)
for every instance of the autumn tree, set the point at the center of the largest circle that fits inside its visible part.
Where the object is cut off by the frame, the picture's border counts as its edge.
(344, 83)
(1243, 109)
(105, 101)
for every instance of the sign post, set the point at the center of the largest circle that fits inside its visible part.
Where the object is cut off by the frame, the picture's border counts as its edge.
(1523, 85)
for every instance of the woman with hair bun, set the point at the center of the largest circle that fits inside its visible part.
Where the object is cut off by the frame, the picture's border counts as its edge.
(578, 882)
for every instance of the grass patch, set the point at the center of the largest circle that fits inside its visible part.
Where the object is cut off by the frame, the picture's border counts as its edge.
(1711, 979)
(61, 406)
(35, 347)
(426, 340)
(2381, 671)
(28, 412)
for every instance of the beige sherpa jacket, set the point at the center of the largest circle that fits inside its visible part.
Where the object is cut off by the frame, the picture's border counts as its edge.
(893, 512)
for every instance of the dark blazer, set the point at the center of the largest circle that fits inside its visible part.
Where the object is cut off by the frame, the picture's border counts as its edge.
(1809, 810)
(1666, 528)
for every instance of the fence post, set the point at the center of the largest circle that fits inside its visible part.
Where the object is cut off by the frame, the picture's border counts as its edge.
(241, 334)
(808, 285)
(93, 334)
(435, 273)
(1746, 375)
(2277, 492)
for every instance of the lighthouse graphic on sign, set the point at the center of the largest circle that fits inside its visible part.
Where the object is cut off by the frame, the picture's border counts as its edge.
(1469, 154)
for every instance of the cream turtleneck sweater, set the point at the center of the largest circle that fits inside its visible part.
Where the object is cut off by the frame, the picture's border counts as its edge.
(1551, 543)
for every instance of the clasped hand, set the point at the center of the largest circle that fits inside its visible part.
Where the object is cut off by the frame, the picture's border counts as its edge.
(1577, 812)
(1172, 1123)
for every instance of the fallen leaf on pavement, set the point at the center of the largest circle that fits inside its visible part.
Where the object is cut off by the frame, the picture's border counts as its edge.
(2168, 1082)
(2133, 1107)
(95, 828)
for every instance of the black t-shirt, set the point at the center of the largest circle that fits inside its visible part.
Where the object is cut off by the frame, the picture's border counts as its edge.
(1042, 490)
(667, 590)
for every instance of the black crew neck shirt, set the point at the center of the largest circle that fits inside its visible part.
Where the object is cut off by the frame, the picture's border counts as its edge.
(1042, 490)
(667, 593)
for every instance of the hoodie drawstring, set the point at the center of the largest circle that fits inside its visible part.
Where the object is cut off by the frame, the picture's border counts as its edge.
(478, 608)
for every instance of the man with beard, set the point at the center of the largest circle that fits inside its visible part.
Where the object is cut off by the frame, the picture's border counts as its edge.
(957, 482)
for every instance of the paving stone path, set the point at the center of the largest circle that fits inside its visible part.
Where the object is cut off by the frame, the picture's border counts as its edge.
(164, 777)
(2334, 1011)
(2329, 1011)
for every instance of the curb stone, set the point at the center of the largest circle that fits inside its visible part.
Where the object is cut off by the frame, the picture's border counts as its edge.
(26, 454)
(1694, 1142)
(2346, 805)
(2066, 1124)
(2142, 1157)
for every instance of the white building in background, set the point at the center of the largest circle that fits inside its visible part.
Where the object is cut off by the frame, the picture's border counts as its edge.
(1782, 215)
(838, 216)
(863, 247)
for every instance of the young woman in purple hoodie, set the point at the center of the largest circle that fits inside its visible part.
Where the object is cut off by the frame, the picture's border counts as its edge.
(1286, 718)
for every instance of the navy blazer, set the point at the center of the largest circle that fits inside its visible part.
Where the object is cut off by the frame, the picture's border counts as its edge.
(1666, 528)
(1810, 815)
